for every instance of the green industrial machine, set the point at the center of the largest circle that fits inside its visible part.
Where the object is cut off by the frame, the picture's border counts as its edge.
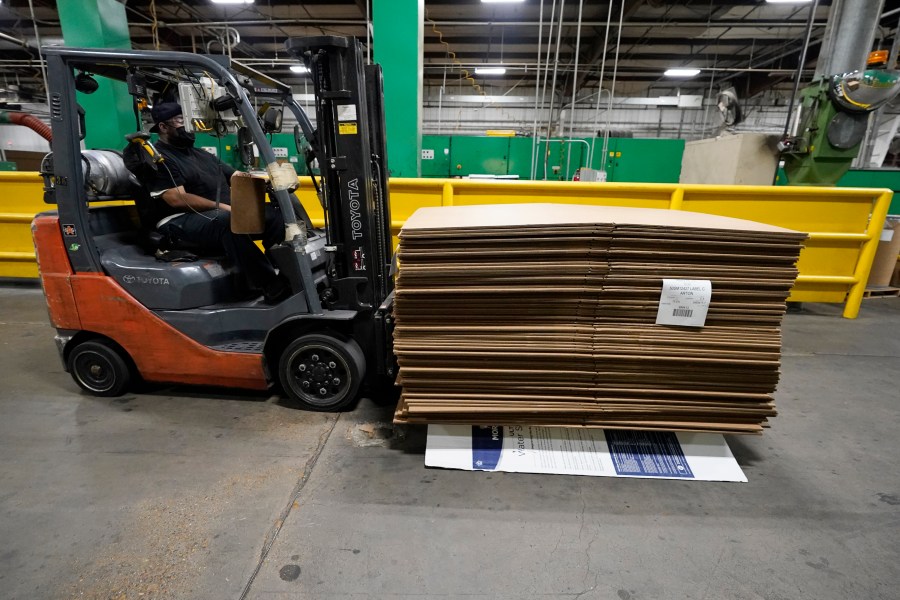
(810, 158)
(831, 123)
(832, 119)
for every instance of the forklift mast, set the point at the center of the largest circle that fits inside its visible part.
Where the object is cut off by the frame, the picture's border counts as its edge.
(350, 143)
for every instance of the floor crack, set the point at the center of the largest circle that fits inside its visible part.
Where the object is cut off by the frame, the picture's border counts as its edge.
(272, 534)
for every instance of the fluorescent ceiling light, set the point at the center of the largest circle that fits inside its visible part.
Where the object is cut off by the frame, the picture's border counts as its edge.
(490, 70)
(682, 72)
(232, 1)
(788, 1)
(299, 69)
(502, 1)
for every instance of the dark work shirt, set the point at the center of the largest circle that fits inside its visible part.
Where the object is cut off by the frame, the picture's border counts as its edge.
(201, 174)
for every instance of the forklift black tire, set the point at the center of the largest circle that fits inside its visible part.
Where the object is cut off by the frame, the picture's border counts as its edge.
(99, 368)
(321, 372)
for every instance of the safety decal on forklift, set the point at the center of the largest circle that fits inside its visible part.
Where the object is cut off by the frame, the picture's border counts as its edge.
(69, 230)
(346, 112)
(359, 259)
(346, 128)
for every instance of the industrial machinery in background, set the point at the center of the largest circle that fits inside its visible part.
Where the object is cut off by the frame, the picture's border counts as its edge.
(729, 107)
(832, 119)
(825, 133)
(121, 314)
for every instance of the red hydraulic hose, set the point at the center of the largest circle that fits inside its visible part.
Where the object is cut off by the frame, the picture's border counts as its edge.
(26, 120)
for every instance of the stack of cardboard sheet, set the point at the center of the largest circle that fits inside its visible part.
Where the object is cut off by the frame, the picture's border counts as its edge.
(547, 314)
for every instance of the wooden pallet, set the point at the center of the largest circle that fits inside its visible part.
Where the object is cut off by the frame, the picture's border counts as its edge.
(881, 291)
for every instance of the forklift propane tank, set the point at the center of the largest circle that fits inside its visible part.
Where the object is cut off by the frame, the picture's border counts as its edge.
(105, 173)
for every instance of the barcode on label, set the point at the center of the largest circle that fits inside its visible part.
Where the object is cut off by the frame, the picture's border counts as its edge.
(682, 312)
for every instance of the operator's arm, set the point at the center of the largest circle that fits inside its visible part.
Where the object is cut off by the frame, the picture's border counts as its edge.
(177, 197)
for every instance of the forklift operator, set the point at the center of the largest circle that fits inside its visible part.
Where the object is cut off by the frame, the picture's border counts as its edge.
(191, 194)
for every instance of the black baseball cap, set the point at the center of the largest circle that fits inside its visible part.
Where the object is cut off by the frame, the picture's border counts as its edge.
(163, 112)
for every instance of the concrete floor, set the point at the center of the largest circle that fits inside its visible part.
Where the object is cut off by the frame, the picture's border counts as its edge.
(179, 493)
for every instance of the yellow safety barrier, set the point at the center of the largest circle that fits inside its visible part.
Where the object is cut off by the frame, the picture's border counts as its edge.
(844, 224)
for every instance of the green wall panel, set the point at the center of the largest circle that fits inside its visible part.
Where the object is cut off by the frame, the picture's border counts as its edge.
(875, 178)
(519, 157)
(869, 178)
(478, 155)
(108, 111)
(398, 31)
(647, 160)
(627, 160)
(439, 164)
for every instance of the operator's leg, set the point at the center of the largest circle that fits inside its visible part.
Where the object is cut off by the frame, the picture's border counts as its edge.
(274, 231)
(212, 230)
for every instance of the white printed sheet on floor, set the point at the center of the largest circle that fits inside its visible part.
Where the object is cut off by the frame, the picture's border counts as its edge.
(582, 451)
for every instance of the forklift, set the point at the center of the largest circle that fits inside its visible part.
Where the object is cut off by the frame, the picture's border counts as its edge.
(121, 314)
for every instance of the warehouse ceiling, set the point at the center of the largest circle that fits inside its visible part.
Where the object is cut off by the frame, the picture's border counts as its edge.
(749, 44)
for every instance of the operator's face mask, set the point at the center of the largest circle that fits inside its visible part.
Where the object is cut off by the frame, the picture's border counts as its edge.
(181, 138)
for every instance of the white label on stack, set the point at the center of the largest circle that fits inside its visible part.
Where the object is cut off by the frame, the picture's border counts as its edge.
(684, 302)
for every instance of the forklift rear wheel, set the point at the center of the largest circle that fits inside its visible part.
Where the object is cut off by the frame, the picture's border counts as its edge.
(99, 368)
(321, 372)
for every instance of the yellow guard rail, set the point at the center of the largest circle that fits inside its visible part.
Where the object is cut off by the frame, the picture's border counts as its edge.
(844, 224)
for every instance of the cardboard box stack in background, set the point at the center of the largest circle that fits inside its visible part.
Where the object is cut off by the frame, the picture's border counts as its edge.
(884, 265)
(547, 314)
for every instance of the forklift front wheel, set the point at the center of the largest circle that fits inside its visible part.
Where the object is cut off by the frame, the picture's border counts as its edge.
(321, 372)
(99, 368)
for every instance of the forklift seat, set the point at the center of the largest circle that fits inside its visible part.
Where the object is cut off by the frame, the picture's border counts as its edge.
(127, 254)
(165, 285)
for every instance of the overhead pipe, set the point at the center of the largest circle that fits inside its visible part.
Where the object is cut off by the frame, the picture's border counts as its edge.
(812, 13)
(435, 66)
(547, 67)
(300, 21)
(236, 22)
(600, 83)
(574, 84)
(37, 38)
(537, 87)
(562, 5)
(744, 24)
(441, 93)
(612, 89)
(889, 13)
(14, 40)
(849, 36)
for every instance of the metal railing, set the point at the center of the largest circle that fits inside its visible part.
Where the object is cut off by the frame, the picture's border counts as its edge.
(844, 224)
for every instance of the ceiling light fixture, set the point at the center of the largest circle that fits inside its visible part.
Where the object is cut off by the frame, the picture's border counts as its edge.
(787, 1)
(502, 1)
(232, 1)
(299, 69)
(490, 71)
(682, 72)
